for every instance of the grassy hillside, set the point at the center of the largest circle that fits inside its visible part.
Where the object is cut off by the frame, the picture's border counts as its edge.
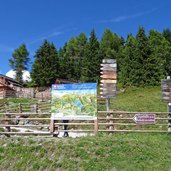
(140, 99)
(130, 152)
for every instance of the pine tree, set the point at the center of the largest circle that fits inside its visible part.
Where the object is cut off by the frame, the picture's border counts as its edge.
(107, 45)
(19, 61)
(111, 46)
(64, 63)
(91, 62)
(167, 34)
(127, 66)
(161, 53)
(45, 68)
(141, 72)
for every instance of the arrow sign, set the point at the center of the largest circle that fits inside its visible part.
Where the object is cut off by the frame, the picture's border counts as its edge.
(109, 61)
(108, 72)
(144, 118)
(109, 65)
(108, 69)
(108, 81)
(108, 76)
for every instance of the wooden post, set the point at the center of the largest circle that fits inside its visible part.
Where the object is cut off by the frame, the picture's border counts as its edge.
(37, 108)
(111, 122)
(108, 104)
(20, 108)
(110, 127)
(52, 126)
(42, 96)
(3, 94)
(169, 117)
(7, 122)
(96, 126)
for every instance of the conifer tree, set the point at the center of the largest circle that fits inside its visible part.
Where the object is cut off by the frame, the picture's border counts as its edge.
(126, 73)
(141, 58)
(91, 62)
(46, 65)
(19, 61)
(160, 67)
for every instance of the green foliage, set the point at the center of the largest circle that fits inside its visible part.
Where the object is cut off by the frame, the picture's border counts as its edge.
(19, 61)
(46, 65)
(158, 65)
(127, 62)
(145, 60)
(142, 60)
(167, 34)
(91, 63)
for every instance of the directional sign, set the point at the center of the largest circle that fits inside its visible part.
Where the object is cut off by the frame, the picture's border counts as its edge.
(108, 81)
(109, 65)
(108, 72)
(108, 69)
(109, 76)
(166, 90)
(108, 88)
(109, 61)
(144, 118)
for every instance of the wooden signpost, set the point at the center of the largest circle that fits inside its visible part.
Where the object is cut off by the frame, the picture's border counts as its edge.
(108, 84)
(108, 78)
(166, 97)
(166, 90)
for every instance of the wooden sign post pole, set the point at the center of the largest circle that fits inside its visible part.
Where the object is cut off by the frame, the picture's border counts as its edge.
(109, 115)
(108, 86)
(169, 117)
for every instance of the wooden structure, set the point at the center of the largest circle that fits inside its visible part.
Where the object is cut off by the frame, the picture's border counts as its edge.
(166, 90)
(108, 78)
(35, 119)
(8, 87)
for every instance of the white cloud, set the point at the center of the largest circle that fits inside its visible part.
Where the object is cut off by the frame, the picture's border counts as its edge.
(25, 76)
(123, 18)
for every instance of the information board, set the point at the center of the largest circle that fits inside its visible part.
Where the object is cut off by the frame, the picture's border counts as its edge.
(74, 101)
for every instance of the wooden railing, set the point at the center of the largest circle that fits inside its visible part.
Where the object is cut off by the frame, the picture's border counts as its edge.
(35, 118)
(27, 123)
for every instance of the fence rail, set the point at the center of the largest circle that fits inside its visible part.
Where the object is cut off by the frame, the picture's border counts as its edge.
(41, 123)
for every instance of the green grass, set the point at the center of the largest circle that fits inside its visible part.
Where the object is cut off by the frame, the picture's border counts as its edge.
(140, 99)
(130, 152)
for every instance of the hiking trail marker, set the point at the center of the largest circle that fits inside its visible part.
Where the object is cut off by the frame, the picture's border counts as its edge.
(108, 78)
(144, 118)
(166, 90)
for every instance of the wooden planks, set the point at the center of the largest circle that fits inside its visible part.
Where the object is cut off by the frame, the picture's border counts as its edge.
(166, 90)
(108, 78)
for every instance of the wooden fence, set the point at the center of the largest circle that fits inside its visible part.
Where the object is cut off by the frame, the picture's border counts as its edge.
(35, 119)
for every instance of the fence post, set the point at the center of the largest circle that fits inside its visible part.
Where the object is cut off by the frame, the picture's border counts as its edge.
(7, 121)
(52, 126)
(42, 96)
(37, 108)
(96, 126)
(169, 117)
(3, 94)
(20, 108)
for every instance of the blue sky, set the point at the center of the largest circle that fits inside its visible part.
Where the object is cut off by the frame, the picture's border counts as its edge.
(32, 21)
